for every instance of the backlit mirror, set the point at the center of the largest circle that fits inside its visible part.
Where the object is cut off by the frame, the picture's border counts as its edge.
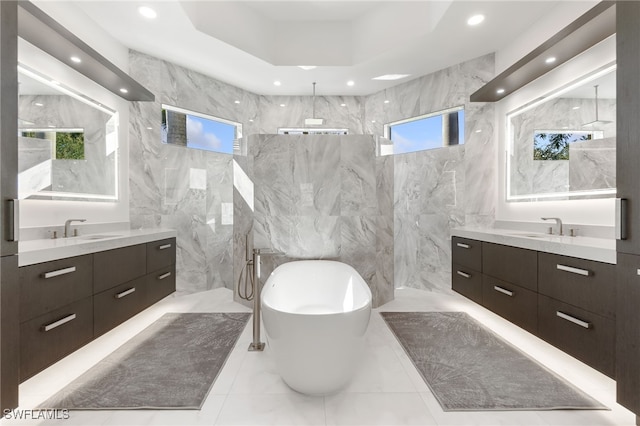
(67, 142)
(563, 145)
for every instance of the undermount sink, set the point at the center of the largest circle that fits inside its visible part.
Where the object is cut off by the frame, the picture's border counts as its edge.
(533, 235)
(98, 237)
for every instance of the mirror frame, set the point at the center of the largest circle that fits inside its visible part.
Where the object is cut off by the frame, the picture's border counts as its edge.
(509, 145)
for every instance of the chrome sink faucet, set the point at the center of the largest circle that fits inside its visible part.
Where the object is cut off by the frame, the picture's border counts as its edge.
(558, 223)
(67, 226)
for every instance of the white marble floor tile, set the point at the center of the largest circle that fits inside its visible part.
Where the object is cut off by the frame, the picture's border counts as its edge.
(377, 409)
(290, 409)
(258, 375)
(380, 371)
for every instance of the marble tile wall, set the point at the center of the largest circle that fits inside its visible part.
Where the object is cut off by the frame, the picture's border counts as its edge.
(438, 189)
(592, 164)
(322, 197)
(529, 176)
(185, 189)
(394, 237)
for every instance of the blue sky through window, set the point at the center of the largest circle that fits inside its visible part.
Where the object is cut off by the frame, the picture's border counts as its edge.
(210, 135)
(421, 134)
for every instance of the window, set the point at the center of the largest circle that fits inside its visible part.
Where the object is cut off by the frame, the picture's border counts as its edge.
(200, 131)
(68, 144)
(429, 131)
(554, 144)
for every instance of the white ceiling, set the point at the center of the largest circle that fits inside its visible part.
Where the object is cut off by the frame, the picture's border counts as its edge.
(250, 44)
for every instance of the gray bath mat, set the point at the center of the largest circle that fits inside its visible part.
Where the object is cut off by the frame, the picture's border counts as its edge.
(469, 368)
(169, 365)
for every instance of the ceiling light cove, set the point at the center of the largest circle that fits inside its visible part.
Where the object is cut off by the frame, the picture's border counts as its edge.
(391, 77)
(475, 20)
(147, 12)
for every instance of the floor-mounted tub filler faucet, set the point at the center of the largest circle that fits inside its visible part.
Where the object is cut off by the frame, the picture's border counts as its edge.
(256, 344)
(558, 224)
(67, 226)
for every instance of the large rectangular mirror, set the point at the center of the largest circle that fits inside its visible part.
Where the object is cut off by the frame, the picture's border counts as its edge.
(67, 142)
(563, 145)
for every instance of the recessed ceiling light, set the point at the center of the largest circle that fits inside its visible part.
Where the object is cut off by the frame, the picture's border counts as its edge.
(149, 128)
(343, 105)
(251, 120)
(386, 101)
(500, 91)
(283, 105)
(390, 77)
(475, 20)
(550, 59)
(277, 83)
(373, 121)
(307, 67)
(38, 104)
(76, 59)
(147, 12)
(350, 83)
(123, 90)
(479, 131)
(236, 102)
(576, 107)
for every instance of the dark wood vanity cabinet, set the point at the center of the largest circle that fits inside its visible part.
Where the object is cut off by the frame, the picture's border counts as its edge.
(627, 178)
(66, 303)
(466, 277)
(568, 302)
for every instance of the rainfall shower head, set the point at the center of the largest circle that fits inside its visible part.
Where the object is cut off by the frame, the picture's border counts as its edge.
(596, 122)
(314, 121)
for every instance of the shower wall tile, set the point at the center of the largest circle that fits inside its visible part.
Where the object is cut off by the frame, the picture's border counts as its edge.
(438, 189)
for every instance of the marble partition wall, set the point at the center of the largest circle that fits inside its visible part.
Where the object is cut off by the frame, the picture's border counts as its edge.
(443, 188)
(592, 164)
(321, 197)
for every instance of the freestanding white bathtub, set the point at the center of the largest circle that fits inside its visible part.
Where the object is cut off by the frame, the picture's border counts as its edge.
(315, 315)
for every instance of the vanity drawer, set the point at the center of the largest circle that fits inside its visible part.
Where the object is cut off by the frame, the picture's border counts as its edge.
(467, 282)
(587, 336)
(160, 284)
(512, 264)
(467, 252)
(48, 286)
(161, 254)
(514, 303)
(116, 305)
(48, 338)
(583, 283)
(118, 266)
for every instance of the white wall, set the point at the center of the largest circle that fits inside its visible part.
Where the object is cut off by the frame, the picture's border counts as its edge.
(44, 213)
(587, 212)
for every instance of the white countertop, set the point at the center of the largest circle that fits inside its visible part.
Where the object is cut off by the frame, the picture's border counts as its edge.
(37, 251)
(598, 249)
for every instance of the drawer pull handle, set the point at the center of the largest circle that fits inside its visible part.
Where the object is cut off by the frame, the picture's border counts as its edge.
(573, 319)
(573, 270)
(503, 290)
(59, 272)
(165, 275)
(464, 274)
(125, 293)
(464, 246)
(58, 323)
(164, 246)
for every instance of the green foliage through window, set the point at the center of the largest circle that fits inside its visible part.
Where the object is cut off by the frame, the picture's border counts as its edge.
(69, 146)
(555, 146)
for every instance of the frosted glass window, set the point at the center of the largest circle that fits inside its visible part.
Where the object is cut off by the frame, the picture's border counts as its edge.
(200, 131)
(435, 130)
